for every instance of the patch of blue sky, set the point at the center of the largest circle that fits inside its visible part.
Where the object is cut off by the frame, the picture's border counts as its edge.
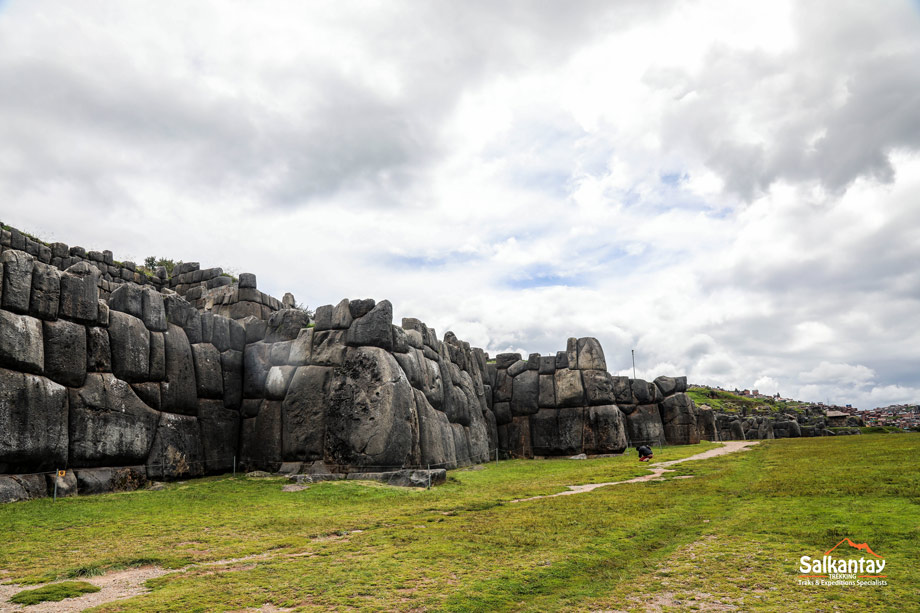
(674, 179)
(548, 279)
(430, 261)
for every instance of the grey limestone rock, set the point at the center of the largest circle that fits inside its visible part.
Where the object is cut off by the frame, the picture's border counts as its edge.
(176, 450)
(525, 393)
(80, 293)
(276, 381)
(17, 280)
(65, 352)
(643, 425)
(260, 437)
(109, 425)
(129, 340)
(590, 355)
(547, 397)
(341, 316)
(303, 414)
(373, 329)
(570, 391)
(605, 431)
(157, 356)
(678, 416)
(208, 377)
(256, 363)
(247, 280)
(21, 343)
(180, 393)
(328, 348)
(518, 367)
(557, 431)
(547, 365)
(46, 291)
(301, 348)
(504, 360)
(361, 307)
(231, 368)
(671, 385)
(598, 387)
(220, 429)
(562, 360)
(110, 479)
(370, 418)
(622, 391)
(149, 393)
(33, 423)
(98, 351)
(285, 325)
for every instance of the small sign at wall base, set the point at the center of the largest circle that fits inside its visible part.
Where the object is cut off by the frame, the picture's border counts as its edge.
(62, 473)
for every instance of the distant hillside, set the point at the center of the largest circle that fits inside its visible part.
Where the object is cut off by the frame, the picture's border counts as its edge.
(728, 402)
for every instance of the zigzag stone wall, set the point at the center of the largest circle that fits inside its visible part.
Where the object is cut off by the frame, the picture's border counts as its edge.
(120, 382)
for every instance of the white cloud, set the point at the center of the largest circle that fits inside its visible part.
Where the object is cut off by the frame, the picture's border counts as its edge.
(726, 188)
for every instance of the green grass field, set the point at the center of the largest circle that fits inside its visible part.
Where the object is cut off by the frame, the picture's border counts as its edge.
(729, 538)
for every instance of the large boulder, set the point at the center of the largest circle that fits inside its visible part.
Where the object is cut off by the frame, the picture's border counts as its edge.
(109, 479)
(547, 396)
(80, 293)
(129, 340)
(220, 430)
(643, 425)
(180, 391)
(590, 354)
(176, 450)
(605, 431)
(256, 364)
(231, 368)
(65, 352)
(525, 393)
(33, 423)
(285, 325)
(436, 446)
(46, 291)
(671, 385)
(303, 414)
(570, 391)
(98, 350)
(370, 418)
(678, 416)
(557, 431)
(17, 280)
(373, 329)
(21, 344)
(260, 438)
(598, 387)
(514, 438)
(208, 377)
(109, 424)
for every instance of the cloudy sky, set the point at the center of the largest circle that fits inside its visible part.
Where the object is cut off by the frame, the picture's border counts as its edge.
(730, 188)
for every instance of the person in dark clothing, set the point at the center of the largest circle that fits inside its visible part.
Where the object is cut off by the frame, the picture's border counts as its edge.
(645, 453)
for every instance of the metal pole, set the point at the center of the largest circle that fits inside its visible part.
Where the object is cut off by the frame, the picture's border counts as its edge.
(55, 485)
(234, 466)
(634, 363)
(429, 476)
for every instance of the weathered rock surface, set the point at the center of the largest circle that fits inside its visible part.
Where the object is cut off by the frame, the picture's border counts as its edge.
(33, 423)
(109, 425)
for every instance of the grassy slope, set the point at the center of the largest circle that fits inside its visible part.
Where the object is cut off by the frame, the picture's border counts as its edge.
(732, 534)
(727, 402)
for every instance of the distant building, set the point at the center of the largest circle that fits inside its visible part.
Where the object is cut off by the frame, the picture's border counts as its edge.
(836, 418)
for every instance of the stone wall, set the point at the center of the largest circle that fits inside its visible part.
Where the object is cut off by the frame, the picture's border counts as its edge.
(120, 382)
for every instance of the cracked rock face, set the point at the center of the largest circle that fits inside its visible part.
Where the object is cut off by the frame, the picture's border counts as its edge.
(370, 419)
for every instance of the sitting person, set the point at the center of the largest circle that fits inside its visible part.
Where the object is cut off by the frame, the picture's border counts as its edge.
(645, 453)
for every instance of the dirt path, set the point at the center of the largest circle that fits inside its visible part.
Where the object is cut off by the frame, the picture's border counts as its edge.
(657, 470)
(123, 584)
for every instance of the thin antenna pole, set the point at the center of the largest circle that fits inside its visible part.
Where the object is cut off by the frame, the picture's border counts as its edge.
(634, 363)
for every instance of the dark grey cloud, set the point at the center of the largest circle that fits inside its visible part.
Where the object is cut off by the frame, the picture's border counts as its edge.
(831, 109)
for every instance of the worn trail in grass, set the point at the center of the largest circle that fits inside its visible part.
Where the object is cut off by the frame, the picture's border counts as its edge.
(729, 537)
(657, 471)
